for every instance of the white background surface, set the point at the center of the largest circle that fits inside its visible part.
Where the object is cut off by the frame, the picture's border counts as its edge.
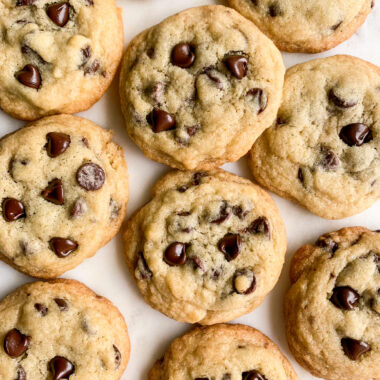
(106, 274)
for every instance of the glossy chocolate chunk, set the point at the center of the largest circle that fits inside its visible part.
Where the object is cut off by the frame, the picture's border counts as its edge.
(175, 254)
(41, 308)
(253, 375)
(345, 298)
(16, 343)
(59, 13)
(61, 368)
(355, 134)
(90, 176)
(237, 65)
(54, 192)
(62, 247)
(117, 356)
(13, 209)
(354, 348)
(183, 55)
(161, 121)
(62, 304)
(230, 245)
(57, 143)
(244, 281)
(260, 97)
(339, 102)
(29, 76)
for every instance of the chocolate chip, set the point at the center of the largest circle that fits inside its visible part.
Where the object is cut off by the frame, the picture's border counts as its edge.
(191, 131)
(300, 175)
(143, 267)
(182, 189)
(226, 376)
(345, 298)
(29, 76)
(114, 209)
(93, 68)
(117, 356)
(13, 209)
(198, 263)
(16, 343)
(260, 225)
(328, 243)
(329, 160)
(259, 96)
(244, 281)
(57, 143)
(197, 178)
(175, 254)
(183, 55)
(339, 102)
(354, 348)
(21, 374)
(156, 92)
(59, 13)
(90, 176)
(201, 378)
(160, 120)
(211, 73)
(61, 368)
(86, 55)
(62, 304)
(274, 10)
(237, 211)
(54, 192)
(230, 245)
(224, 214)
(355, 134)
(62, 247)
(237, 65)
(337, 25)
(215, 274)
(25, 2)
(150, 52)
(79, 208)
(85, 142)
(41, 308)
(253, 375)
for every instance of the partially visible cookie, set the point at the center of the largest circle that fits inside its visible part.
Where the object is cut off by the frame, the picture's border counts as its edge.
(61, 330)
(200, 87)
(332, 310)
(306, 26)
(207, 248)
(57, 56)
(223, 352)
(63, 194)
(323, 150)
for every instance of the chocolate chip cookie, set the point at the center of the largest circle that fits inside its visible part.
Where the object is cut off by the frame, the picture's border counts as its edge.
(61, 330)
(306, 26)
(223, 352)
(63, 194)
(57, 56)
(323, 150)
(332, 309)
(200, 87)
(208, 248)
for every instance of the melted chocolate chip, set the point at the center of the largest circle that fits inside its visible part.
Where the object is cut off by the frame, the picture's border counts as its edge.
(62, 304)
(354, 348)
(117, 356)
(230, 245)
(161, 121)
(339, 102)
(57, 143)
(300, 175)
(253, 375)
(79, 208)
(182, 189)
(355, 134)
(59, 13)
(345, 298)
(21, 374)
(16, 343)
(274, 10)
(114, 209)
(54, 192)
(86, 55)
(337, 25)
(25, 2)
(191, 131)
(62, 247)
(329, 160)
(197, 178)
(61, 368)
(237, 65)
(259, 96)
(244, 281)
(328, 243)
(93, 68)
(198, 263)
(224, 214)
(90, 176)
(201, 378)
(143, 267)
(13, 209)
(175, 254)
(29, 76)
(150, 52)
(183, 55)
(210, 71)
(41, 308)
(260, 225)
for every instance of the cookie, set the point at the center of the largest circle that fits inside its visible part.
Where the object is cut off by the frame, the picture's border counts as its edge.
(63, 194)
(57, 57)
(322, 151)
(332, 310)
(223, 352)
(61, 330)
(200, 87)
(305, 26)
(207, 248)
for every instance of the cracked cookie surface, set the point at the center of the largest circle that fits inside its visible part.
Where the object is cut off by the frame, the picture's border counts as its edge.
(305, 26)
(61, 330)
(223, 352)
(63, 194)
(57, 56)
(332, 310)
(323, 150)
(200, 87)
(207, 248)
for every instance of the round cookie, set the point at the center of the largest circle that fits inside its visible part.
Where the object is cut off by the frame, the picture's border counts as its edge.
(200, 87)
(323, 150)
(57, 57)
(63, 194)
(223, 352)
(306, 26)
(61, 330)
(207, 248)
(332, 310)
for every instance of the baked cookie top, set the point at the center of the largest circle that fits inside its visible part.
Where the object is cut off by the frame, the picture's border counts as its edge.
(57, 56)
(200, 87)
(332, 309)
(223, 352)
(63, 194)
(61, 330)
(207, 248)
(305, 26)
(323, 150)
